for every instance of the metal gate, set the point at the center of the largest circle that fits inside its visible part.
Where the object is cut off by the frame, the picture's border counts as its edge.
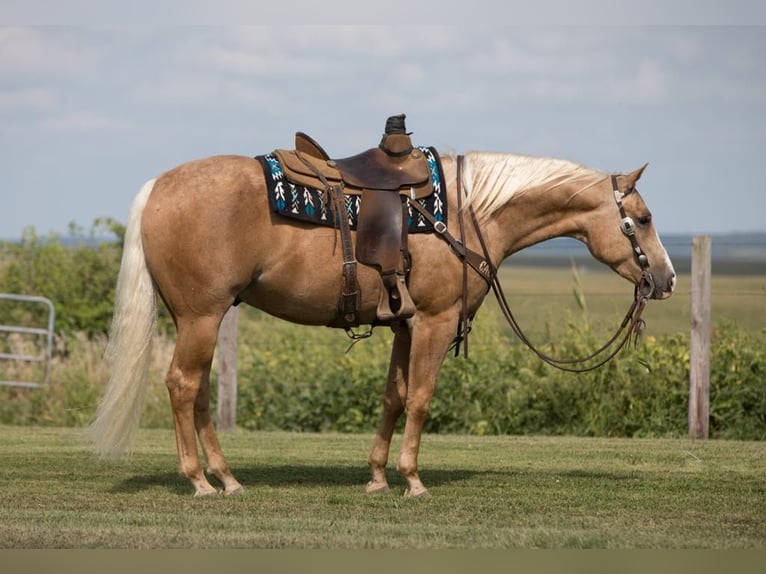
(33, 332)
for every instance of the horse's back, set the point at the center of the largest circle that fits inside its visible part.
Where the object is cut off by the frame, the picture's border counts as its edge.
(213, 178)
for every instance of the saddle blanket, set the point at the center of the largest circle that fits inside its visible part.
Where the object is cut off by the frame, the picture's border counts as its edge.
(307, 204)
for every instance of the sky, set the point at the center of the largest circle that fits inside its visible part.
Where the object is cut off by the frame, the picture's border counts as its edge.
(91, 108)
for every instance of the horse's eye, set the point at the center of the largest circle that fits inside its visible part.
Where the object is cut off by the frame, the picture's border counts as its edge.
(644, 220)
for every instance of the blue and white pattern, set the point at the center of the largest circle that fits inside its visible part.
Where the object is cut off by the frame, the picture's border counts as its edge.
(307, 204)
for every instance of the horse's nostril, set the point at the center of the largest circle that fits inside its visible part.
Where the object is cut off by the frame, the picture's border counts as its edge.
(669, 287)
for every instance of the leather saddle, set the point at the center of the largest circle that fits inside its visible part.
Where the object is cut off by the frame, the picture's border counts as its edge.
(385, 177)
(379, 168)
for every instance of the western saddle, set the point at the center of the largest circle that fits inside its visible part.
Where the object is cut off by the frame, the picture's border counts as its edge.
(385, 177)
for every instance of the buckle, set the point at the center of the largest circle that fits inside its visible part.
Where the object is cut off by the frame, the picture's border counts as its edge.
(440, 227)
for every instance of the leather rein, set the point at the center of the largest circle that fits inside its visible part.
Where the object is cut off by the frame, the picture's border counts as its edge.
(630, 327)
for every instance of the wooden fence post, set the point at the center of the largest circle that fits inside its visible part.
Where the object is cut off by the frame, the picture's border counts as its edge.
(227, 370)
(699, 352)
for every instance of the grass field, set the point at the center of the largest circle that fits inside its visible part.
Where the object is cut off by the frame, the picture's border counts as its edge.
(305, 491)
(542, 298)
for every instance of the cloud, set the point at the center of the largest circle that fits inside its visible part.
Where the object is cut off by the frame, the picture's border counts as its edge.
(651, 82)
(685, 47)
(545, 65)
(322, 52)
(26, 99)
(393, 41)
(409, 74)
(380, 42)
(559, 52)
(269, 66)
(85, 121)
(35, 52)
(178, 89)
(631, 65)
(645, 82)
(272, 64)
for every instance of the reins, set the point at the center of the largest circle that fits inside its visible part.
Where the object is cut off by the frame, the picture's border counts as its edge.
(630, 327)
(632, 319)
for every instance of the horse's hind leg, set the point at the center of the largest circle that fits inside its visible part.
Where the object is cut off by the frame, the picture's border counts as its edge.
(393, 406)
(188, 383)
(216, 463)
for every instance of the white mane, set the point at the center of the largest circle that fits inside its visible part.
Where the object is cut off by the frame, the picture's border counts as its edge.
(492, 179)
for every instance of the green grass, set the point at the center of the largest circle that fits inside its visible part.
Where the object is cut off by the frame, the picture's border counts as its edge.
(305, 491)
(542, 300)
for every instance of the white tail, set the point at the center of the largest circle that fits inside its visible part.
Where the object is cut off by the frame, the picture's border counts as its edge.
(129, 349)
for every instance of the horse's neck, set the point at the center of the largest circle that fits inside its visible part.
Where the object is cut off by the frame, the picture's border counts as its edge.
(533, 216)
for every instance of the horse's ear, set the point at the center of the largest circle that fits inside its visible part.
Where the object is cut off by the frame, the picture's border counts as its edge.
(634, 176)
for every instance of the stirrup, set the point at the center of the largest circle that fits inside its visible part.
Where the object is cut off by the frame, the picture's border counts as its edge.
(395, 301)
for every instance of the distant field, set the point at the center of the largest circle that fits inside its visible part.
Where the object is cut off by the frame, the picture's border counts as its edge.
(542, 298)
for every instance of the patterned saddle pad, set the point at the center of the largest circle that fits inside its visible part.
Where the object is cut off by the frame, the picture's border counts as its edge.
(306, 204)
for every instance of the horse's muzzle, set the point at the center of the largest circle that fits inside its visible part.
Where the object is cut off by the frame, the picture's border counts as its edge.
(649, 287)
(662, 289)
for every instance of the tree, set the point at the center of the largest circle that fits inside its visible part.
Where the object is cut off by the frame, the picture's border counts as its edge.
(78, 274)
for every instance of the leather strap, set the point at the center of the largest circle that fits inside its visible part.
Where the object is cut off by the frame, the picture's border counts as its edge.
(464, 326)
(350, 292)
(478, 263)
(628, 227)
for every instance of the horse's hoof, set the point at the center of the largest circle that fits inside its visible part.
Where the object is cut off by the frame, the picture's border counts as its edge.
(240, 490)
(206, 493)
(421, 494)
(377, 488)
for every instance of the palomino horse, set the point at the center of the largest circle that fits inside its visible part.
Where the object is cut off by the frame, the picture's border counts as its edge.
(202, 236)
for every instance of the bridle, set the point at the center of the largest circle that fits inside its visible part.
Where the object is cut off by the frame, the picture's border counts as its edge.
(630, 327)
(628, 228)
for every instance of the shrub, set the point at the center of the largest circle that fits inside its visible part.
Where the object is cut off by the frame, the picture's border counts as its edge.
(737, 385)
(78, 378)
(299, 378)
(79, 278)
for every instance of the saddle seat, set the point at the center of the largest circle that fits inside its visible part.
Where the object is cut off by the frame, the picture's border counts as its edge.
(405, 171)
(385, 177)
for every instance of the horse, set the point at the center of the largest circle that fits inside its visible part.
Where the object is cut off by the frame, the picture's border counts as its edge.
(201, 237)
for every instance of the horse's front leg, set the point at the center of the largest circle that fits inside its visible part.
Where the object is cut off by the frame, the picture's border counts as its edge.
(431, 338)
(393, 406)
